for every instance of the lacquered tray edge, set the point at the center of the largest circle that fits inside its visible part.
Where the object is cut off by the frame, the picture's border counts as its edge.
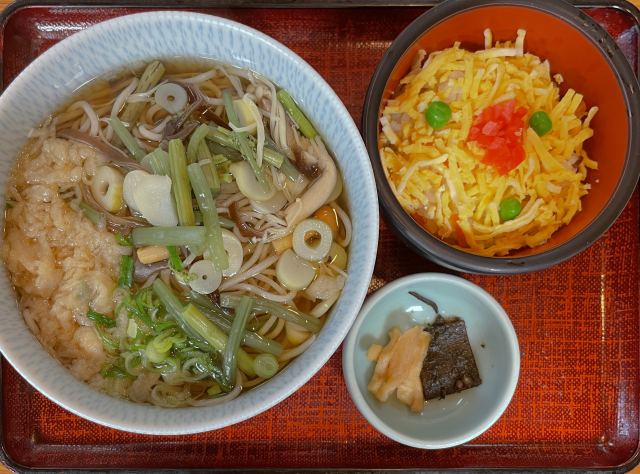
(11, 9)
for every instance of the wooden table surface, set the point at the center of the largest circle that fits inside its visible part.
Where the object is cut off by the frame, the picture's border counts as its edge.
(4, 3)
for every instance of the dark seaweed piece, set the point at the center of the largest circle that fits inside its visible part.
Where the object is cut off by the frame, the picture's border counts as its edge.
(449, 366)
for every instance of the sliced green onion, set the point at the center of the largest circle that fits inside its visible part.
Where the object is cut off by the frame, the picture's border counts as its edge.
(164, 325)
(125, 278)
(180, 182)
(135, 345)
(265, 365)
(143, 320)
(228, 300)
(296, 114)
(132, 329)
(127, 139)
(157, 350)
(100, 318)
(197, 138)
(133, 362)
(109, 343)
(154, 356)
(169, 300)
(114, 371)
(96, 217)
(213, 240)
(231, 351)
(169, 365)
(174, 259)
(158, 161)
(123, 240)
(179, 235)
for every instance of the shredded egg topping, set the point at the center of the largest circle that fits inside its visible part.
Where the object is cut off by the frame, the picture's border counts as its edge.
(439, 176)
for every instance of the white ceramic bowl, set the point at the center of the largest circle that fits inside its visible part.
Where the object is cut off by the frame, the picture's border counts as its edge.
(132, 40)
(460, 417)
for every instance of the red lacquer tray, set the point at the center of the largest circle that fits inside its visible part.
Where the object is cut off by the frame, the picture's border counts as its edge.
(576, 406)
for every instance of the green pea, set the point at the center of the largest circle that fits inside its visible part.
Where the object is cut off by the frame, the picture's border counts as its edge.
(438, 114)
(509, 208)
(540, 122)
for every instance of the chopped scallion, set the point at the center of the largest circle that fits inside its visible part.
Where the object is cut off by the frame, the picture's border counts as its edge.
(109, 343)
(265, 365)
(125, 279)
(124, 240)
(100, 318)
(114, 371)
(174, 259)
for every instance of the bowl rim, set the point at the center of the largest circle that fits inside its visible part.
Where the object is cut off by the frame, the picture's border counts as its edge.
(372, 417)
(146, 419)
(443, 254)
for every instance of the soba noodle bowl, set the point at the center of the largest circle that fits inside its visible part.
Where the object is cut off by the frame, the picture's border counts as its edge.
(175, 238)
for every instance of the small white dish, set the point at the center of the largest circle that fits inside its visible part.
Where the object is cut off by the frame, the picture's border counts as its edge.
(460, 417)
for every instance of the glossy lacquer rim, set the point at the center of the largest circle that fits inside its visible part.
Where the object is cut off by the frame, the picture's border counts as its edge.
(446, 255)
